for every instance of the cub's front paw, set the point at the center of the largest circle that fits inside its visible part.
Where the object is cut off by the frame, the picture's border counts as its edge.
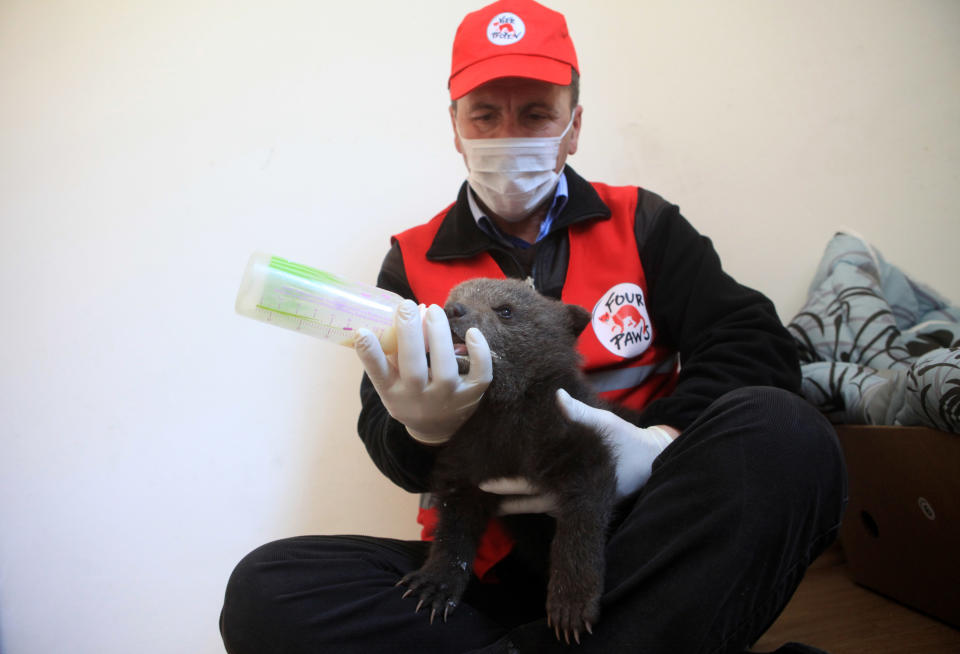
(438, 587)
(572, 610)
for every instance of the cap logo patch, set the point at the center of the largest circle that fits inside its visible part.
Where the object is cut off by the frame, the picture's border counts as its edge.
(505, 29)
(621, 322)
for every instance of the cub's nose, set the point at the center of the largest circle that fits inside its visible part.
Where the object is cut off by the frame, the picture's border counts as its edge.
(455, 310)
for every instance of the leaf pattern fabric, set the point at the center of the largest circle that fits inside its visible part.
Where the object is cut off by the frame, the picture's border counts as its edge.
(877, 347)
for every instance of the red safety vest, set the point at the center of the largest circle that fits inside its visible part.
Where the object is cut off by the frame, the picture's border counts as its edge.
(621, 355)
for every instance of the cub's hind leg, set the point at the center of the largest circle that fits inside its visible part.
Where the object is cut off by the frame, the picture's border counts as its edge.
(577, 564)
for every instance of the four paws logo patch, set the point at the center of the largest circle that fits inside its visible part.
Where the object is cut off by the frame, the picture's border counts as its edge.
(505, 29)
(621, 322)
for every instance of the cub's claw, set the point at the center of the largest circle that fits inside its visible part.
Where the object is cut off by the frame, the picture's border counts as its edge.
(571, 618)
(439, 592)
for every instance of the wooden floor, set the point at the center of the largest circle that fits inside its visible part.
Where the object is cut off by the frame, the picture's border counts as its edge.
(831, 612)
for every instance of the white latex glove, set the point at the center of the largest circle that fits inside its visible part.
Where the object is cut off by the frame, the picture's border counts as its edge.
(634, 449)
(432, 402)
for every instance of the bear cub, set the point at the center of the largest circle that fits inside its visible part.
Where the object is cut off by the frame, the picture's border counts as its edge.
(518, 430)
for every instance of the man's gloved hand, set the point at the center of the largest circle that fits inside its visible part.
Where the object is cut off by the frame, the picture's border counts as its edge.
(432, 402)
(634, 449)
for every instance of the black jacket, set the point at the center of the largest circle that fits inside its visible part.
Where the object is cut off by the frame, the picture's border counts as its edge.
(727, 335)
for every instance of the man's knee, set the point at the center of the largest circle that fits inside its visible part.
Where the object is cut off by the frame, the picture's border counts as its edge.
(804, 438)
(773, 440)
(793, 450)
(247, 601)
(290, 595)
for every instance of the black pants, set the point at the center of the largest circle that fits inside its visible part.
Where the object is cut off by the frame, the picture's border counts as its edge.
(703, 559)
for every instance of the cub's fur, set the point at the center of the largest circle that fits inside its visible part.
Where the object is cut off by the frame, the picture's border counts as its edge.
(518, 430)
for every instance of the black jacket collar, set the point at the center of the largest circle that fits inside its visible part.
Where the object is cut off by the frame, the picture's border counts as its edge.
(460, 237)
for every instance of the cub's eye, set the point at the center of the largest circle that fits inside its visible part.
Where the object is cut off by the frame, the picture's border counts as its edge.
(504, 311)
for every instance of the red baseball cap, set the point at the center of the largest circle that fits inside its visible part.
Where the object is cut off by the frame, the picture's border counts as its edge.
(511, 38)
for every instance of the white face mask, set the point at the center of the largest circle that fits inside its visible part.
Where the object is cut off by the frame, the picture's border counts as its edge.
(513, 175)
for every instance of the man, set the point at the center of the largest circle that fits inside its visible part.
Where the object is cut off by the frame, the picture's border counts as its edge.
(729, 485)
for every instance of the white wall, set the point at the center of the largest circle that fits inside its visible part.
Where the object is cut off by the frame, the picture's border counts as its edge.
(149, 437)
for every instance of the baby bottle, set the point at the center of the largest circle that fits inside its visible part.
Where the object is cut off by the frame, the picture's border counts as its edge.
(304, 299)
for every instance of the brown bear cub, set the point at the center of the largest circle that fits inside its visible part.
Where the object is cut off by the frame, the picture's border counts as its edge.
(518, 430)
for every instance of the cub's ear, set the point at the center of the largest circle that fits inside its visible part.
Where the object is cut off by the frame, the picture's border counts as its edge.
(578, 318)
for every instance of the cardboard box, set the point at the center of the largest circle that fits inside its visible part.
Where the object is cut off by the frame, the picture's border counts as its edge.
(901, 532)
